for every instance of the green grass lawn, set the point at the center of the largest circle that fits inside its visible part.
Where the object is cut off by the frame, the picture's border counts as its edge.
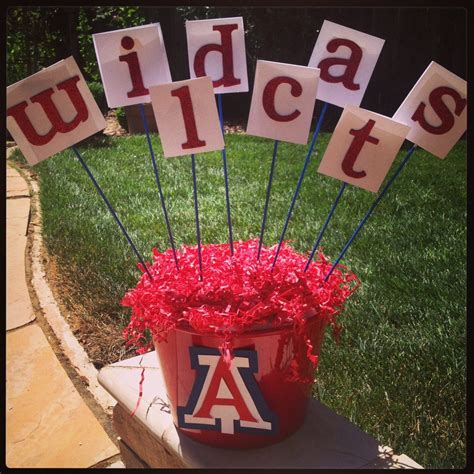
(399, 371)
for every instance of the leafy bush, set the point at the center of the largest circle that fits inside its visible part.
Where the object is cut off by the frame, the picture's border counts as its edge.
(97, 90)
(121, 117)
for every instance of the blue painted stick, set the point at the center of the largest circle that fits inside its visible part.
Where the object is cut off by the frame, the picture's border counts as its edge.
(267, 199)
(323, 229)
(369, 212)
(157, 178)
(111, 209)
(300, 181)
(226, 180)
(196, 212)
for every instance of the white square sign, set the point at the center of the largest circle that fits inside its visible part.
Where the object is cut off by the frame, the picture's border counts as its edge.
(347, 59)
(362, 148)
(283, 101)
(186, 116)
(130, 61)
(216, 48)
(52, 110)
(436, 110)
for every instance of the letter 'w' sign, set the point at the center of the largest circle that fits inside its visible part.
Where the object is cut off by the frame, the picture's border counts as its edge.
(51, 111)
(347, 59)
(186, 116)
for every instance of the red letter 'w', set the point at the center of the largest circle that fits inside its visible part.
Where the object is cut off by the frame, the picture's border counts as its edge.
(18, 112)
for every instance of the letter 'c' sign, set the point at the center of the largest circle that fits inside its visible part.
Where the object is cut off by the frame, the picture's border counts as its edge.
(216, 48)
(186, 116)
(283, 101)
(435, 110)
(51, 111)
(362, 148)
(347, 59)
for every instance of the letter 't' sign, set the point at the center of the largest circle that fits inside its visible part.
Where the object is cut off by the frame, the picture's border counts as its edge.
(362, 148)
(346, 58)
(283, 101)
(52, 110)
(216, 48)
(130, 60)
(436, 110)
(186, 116)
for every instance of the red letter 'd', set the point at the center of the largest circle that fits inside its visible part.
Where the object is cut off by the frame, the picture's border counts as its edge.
(184, 97)
(268, 98)
(225, 49)
(352, 64)
(18, 112)
(446, 116)
(361, 136)
(134, 68)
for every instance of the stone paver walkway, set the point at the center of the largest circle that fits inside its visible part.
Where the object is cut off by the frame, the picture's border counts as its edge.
(48, 424)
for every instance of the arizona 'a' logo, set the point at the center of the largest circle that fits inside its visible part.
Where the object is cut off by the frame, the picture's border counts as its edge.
(226, 399)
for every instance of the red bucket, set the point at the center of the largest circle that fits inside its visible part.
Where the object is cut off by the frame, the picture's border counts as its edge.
(259, 399)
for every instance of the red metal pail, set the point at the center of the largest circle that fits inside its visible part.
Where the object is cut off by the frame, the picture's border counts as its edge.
(258, 399)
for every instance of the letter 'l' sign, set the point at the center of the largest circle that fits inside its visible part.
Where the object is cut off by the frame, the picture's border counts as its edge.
(186, 116)
(130, 60)
(216, 48)
(51, 111)
(362, 148)
(347, 59)
(283, 101)
(435, 110)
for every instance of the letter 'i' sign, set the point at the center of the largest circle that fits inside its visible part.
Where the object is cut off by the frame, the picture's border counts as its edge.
(283, 101)
(362, 148)
(435, 110)
(51, 111)
(130, 61)
(216, 48)
(346, 58)
(186, 116)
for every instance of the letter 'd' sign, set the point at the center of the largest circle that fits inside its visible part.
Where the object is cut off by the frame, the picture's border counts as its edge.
(186, 116)
(216, 48)
(346, 58)
(52, 110)
(362, 148)
(435, 110)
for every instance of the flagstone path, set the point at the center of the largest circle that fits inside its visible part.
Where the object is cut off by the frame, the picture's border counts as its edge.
(48, 423)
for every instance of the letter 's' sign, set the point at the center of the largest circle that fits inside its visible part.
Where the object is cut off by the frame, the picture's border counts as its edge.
(435, 110)
(51, 111)
(216, 48)
(347, 59)
(226, 398)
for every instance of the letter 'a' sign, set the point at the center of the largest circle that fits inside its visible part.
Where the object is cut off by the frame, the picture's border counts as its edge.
(216, 48)
(362, 148)
(283, 101)
(51, 111)
(226, 398)
(186, 116)
(347, 59)
(130, 60)
(436, 110)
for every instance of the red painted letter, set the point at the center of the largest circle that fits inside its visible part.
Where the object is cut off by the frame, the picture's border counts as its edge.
(184, 97)
(225, 49)
(268, 98)
(352, 64)
(134, 68)
(222, 372)
(446, 116)
(18, 112)
(361, 136)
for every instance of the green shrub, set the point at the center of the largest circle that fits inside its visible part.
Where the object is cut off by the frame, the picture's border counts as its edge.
(97, 90)
(121, 117)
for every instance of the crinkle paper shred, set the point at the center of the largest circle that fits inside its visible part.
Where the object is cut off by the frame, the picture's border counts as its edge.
(237, 293)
